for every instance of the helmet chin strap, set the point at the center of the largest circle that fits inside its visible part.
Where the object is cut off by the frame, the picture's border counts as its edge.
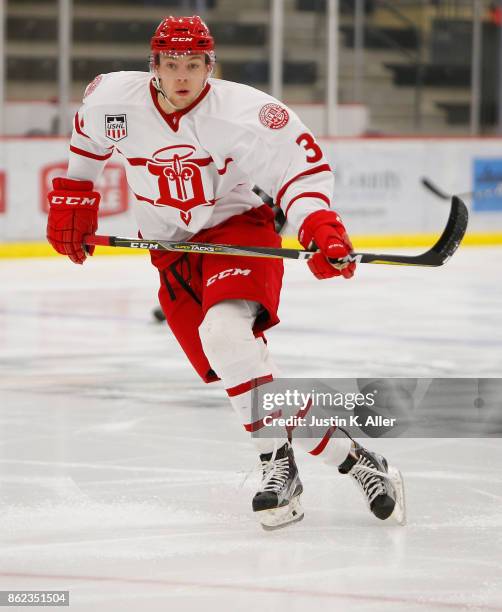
(158, 86)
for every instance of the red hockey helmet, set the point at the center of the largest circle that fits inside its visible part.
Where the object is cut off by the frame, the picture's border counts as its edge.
(183, 36)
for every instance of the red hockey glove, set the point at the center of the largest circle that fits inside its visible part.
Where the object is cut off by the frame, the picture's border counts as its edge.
(325, 230)
(73, 213)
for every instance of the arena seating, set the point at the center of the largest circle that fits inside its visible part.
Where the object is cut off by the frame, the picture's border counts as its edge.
(107, 39)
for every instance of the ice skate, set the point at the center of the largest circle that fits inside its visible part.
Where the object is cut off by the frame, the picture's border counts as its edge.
(381, 484)
(277, 503)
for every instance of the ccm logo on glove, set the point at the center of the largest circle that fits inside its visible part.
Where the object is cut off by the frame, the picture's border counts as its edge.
(73, 214)
(75, 200)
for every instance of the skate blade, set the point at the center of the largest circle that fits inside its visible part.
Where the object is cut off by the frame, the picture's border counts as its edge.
(399, 513)
(277, 518)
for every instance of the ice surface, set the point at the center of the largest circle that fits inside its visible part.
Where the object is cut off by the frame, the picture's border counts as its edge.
(123, 478)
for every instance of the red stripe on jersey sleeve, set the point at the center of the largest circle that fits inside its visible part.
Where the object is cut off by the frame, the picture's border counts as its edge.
(308, 194)
(89, 154)
(78, 127)
(317, 169)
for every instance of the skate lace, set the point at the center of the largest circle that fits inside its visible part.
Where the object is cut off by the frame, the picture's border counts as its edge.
(275, 474)
(368, 478)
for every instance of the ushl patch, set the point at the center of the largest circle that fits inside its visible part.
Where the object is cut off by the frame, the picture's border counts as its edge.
(274, 116)
(116, 127)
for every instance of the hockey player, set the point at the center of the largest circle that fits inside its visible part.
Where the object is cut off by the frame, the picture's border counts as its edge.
(193, 148)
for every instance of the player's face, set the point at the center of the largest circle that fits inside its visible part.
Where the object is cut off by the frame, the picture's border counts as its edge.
(182, 77)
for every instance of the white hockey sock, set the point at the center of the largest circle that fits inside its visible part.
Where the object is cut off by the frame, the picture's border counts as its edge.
(240, 360)
(243, 362)
(333, 447)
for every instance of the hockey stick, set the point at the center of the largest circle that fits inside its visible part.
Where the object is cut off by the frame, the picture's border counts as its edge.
(280, 217)
(444, 248)
(428, 184)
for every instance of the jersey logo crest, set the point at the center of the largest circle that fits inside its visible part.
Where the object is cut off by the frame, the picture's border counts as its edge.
(274, 116)
(92, 86)
(116, 127)
(179, 179)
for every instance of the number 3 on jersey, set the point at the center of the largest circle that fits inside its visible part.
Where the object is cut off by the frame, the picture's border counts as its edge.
(307, 142)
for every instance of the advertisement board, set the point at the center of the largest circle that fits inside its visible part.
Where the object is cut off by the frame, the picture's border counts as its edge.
(3, 198)
(29, 167)
(378, 188)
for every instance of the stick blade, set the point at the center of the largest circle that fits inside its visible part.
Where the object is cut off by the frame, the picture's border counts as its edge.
(455, 229)
(439, 254)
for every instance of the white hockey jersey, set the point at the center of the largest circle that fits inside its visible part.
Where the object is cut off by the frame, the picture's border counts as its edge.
(193, 169)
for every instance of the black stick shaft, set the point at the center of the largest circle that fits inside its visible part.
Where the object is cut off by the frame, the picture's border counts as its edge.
(480, 193)
(444, 248)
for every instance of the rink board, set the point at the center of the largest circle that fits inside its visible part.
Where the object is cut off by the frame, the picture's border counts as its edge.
(378, 190)
(43, 249)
